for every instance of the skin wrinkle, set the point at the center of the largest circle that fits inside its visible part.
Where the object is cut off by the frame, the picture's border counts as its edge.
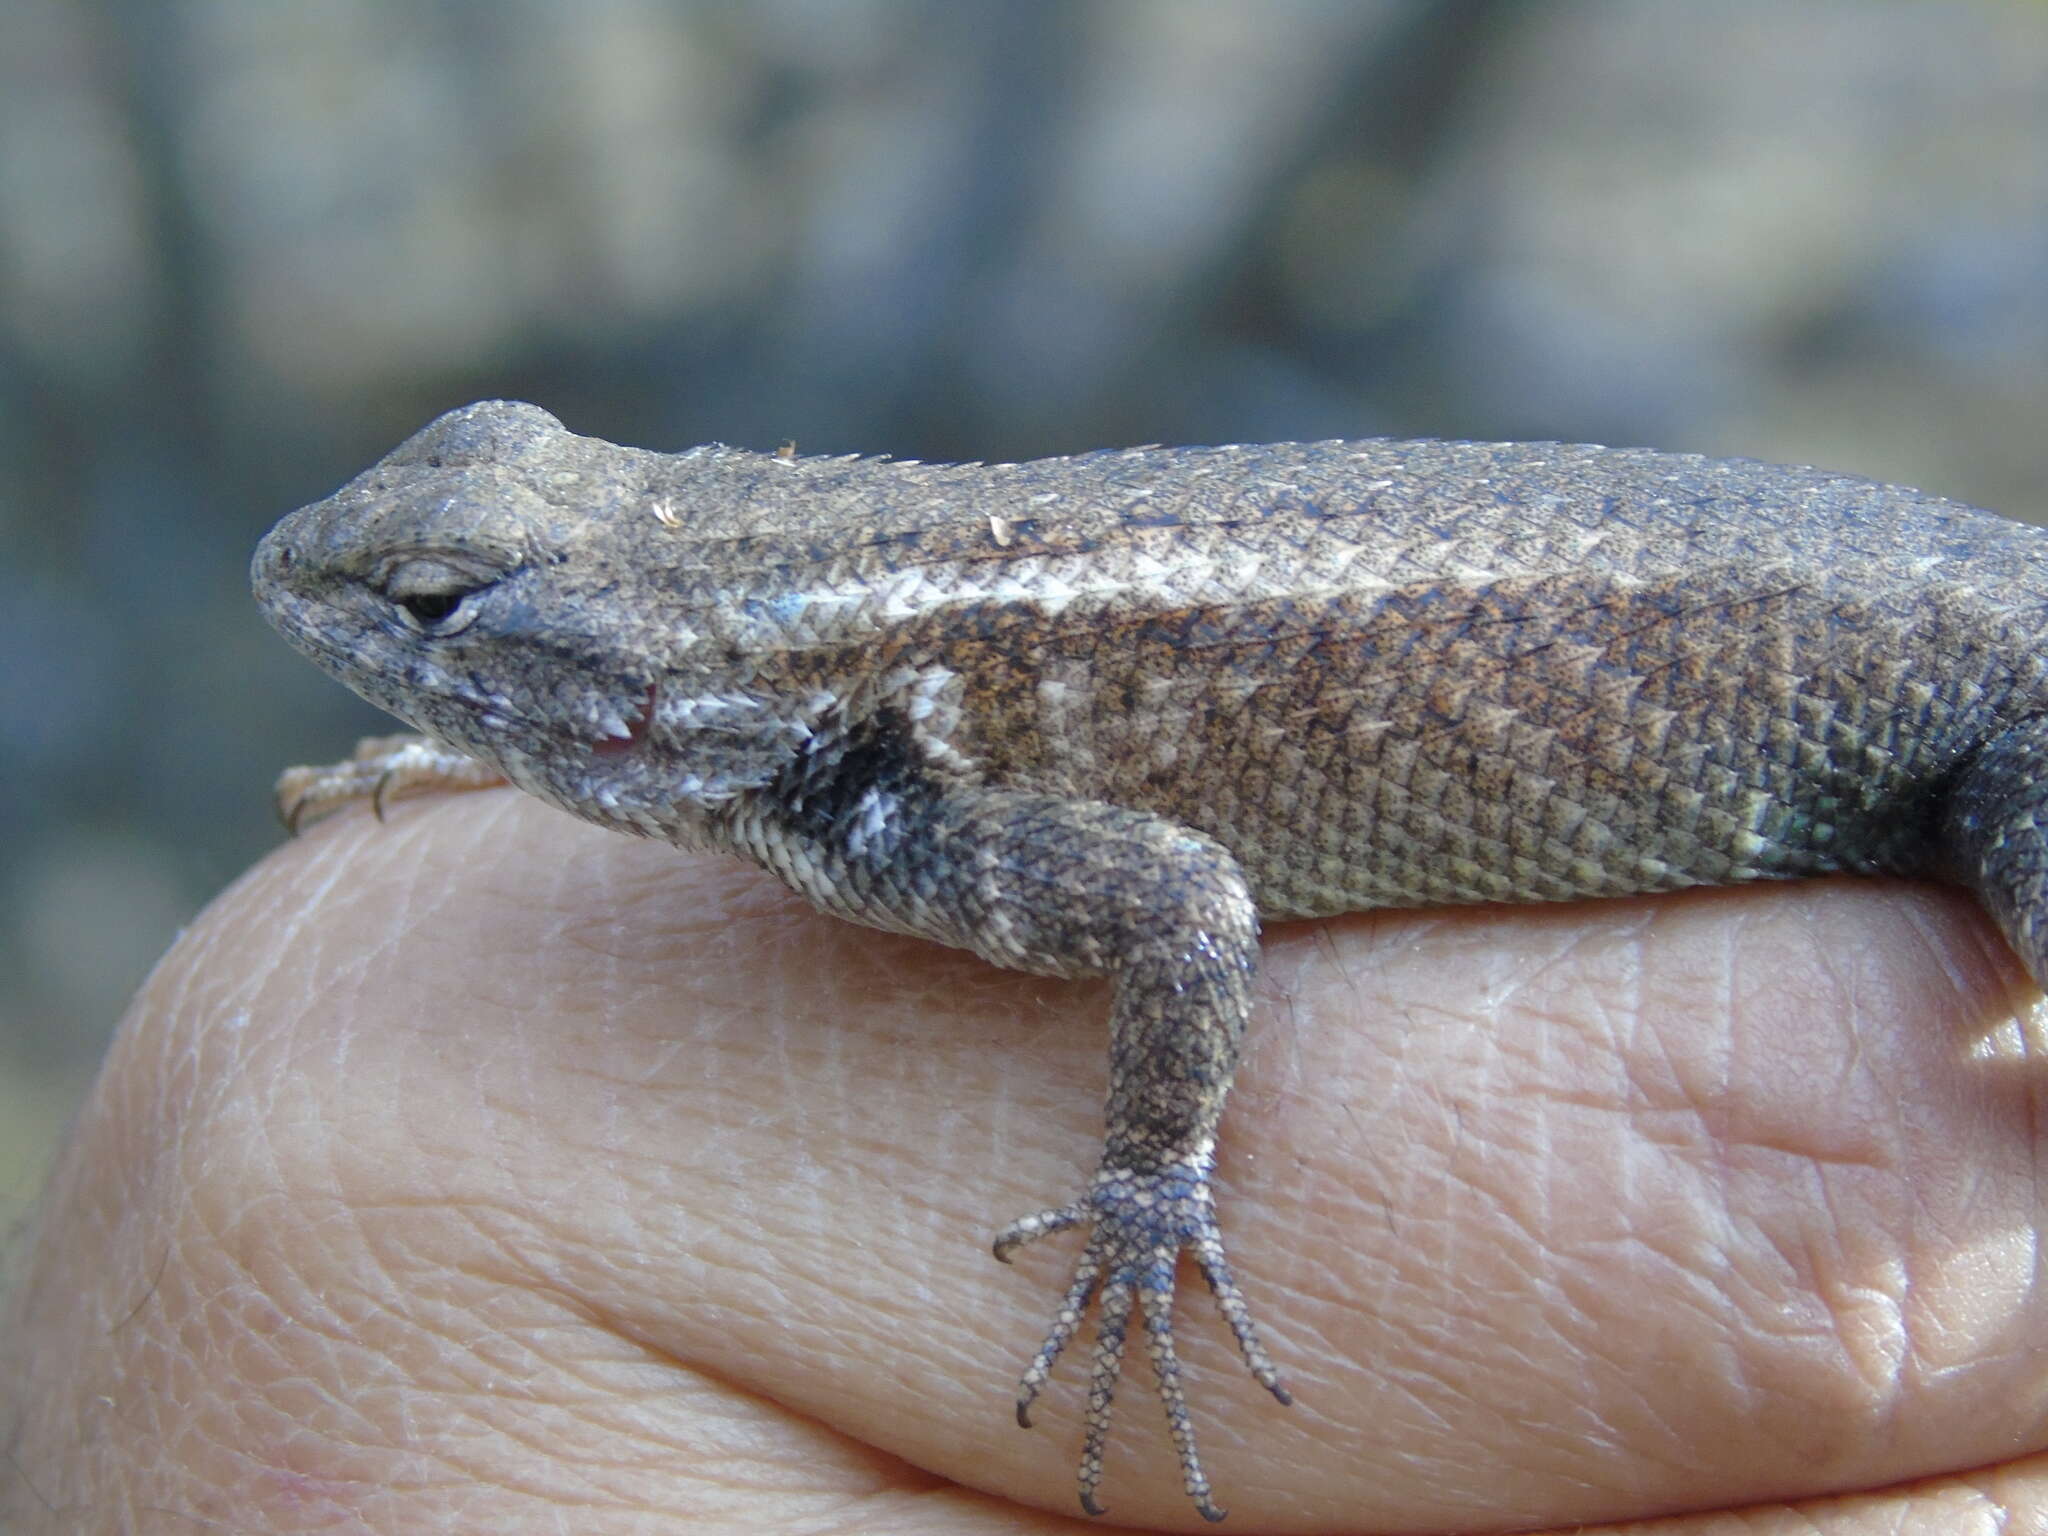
(1879, 1369)
(1922, 919)
(410, 891)
(450, 1350)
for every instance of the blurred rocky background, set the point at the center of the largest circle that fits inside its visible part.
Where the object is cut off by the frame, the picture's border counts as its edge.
(245, 247)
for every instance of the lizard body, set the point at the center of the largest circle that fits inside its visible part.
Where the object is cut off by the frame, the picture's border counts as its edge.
(1100, 715)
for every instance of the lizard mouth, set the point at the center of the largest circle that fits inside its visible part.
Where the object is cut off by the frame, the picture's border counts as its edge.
(636, 728)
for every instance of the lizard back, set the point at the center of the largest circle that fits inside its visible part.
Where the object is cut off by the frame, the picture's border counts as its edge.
(1412, 673)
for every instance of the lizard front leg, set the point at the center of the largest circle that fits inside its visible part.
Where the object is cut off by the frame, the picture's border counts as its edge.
(1173, 1048)
(381, 769)
(1066, 888)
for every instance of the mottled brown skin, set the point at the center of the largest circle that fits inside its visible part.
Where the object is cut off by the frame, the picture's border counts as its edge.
(1097, 716)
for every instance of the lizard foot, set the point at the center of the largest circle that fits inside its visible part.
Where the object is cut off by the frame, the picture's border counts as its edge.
(381, 768)
(1140, 1221)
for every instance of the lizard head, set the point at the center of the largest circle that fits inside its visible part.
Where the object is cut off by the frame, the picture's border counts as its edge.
(482, 583)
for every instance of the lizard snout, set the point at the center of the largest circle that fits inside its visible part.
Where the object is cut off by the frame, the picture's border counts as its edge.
(275, 559)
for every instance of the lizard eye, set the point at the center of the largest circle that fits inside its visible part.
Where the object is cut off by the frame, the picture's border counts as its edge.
(431, 608)
(433, 598)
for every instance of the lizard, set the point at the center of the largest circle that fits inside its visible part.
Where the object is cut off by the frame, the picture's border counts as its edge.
(1102, 715)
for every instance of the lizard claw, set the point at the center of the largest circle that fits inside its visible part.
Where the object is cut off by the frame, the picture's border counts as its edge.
(1139, 1224)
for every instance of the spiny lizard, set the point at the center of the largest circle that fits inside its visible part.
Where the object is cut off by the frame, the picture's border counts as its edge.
(1099, 716)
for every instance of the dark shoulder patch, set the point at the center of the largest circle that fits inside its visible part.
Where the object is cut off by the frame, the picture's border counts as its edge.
(842, 765)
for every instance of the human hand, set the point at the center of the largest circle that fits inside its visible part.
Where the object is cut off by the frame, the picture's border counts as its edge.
(486, 1171)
